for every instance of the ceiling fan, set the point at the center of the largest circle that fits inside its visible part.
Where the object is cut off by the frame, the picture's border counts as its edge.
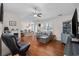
(37, 12)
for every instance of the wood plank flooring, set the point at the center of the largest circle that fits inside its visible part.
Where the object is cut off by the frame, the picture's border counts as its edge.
(52, 48)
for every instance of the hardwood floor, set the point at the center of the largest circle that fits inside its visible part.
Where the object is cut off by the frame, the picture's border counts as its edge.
(52, 48)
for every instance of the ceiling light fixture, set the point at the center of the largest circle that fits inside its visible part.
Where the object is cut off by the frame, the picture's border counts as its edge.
(37, 13)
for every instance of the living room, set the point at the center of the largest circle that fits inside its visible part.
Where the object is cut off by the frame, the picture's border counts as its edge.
(38, 25)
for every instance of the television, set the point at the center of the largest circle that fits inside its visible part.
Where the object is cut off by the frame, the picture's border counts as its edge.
(75, 23)
(1, 12)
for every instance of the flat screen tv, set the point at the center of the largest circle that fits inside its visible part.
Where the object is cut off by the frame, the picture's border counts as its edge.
(75, 23)
(1, 12)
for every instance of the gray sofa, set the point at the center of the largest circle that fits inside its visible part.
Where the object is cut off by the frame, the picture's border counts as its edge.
(44, 37)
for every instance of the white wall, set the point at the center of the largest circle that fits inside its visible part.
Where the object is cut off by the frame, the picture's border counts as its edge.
(4, 49)
(10, 17)
(57, 24)
(24, 24)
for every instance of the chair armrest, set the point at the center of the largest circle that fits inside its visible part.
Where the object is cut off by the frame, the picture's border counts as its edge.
(24, 47)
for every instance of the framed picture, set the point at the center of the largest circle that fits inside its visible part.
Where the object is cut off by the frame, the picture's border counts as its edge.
(12, 23)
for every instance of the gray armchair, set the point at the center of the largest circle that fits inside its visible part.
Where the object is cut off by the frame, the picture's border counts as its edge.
(11, 42)
(71, 47)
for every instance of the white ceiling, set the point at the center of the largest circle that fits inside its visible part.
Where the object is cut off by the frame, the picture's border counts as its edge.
(25, 10)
